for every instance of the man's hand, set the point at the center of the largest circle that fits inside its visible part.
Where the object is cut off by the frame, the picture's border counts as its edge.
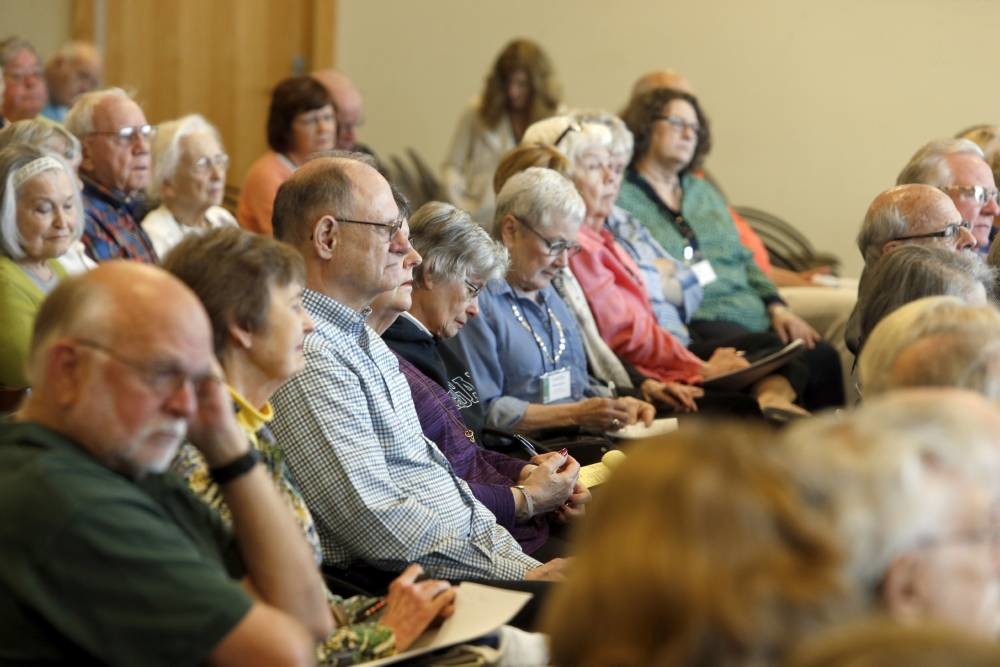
(411, 606)
(790, 326)
(213, 428)
(603, 414)
(724, 360)
(638, 410)
(552, 481)
(554, 570)
(680, 397)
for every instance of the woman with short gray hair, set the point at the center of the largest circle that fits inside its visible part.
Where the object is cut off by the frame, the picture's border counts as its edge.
(189, 176)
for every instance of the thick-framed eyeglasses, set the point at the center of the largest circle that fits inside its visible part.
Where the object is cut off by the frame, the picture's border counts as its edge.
(950, 231)
(472, 289)
(393, 226)
(978, 193)
(162, 379)
(126, 135)
(205, 163)
(680, 124)
(557, 247)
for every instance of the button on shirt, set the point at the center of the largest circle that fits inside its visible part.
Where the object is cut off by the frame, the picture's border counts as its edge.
(379, 491)
(506, 360)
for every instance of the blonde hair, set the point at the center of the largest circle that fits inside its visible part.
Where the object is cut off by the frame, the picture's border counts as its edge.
(699, 551)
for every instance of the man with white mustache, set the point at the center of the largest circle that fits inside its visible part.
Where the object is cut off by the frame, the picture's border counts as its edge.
(108, 561)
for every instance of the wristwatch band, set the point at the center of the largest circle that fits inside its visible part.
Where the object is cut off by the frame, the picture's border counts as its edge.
(237, 468)
(529, 504)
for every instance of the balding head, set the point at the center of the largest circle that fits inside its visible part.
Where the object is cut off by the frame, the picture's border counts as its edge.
(115, 358)
(909, 210)
(348, 103)
(663, 78)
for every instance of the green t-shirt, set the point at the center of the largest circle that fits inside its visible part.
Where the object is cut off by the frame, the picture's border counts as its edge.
(96, 568)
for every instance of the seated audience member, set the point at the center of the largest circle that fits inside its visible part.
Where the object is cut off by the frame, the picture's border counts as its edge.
(958, 168)
(40, 217)
(987, 137)
(379, 491)
(24, 93)
(691, 221)
(520, 89)
(524, 348)
(300, 122)
(189, 177)
(251, 287)
(901, 215)
(348, 106)
(108, 561)
(913, 272)
(638, 294)
(55, 140)
(114, 136)
(885, 643)
(909, 483)
(716, 560)
(444, 295)
(935, 341)
(75, 69)
(458, 258)
(993, 260)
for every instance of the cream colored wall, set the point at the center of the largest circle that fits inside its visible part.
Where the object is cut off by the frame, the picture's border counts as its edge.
(45, 23)
(815, 105)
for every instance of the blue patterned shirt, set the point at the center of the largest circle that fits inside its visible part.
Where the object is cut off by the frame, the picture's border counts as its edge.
(112, 230)
(379, 491)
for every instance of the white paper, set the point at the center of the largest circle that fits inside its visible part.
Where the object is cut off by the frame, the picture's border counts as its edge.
(479, 610)
(640, 430)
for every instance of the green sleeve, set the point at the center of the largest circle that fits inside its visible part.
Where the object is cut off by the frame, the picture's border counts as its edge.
(17, 313)
(130, 587)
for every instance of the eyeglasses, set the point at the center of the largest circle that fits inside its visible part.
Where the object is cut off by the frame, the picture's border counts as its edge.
(162, 379)
(314, 119)
(950, 231)
(680, 124)
(572, 127)
(980, 194)
(393, 226)
(127, 134)
(203, 164)
(473, 290)
(556, 248)
(22, 75)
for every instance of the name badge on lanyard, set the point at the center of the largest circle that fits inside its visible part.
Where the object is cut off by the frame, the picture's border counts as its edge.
(557, 385)
(704, 272)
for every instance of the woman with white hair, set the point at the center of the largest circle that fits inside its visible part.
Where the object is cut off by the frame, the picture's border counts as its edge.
(189, 176)
(55, 140)
(524, 349)
(41, 215)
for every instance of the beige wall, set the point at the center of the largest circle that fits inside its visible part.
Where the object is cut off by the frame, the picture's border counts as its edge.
(815, 105)
(45, 23)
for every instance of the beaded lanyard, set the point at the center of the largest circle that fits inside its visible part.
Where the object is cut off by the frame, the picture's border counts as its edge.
(541, 344)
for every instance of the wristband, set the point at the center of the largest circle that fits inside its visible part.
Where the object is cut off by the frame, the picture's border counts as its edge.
(529, 504)
(236, 468)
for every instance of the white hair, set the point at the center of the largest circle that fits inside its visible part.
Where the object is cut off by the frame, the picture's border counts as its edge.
(13, 158)
(622, 141)
(80, 118)
(963, 345)
(874, 473)
(167, 150)
(537, 196)
(569, 137)
(36, 132)
(929, 166)
(453, 247)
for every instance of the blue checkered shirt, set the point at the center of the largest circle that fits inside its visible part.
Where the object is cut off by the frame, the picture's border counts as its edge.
(379, 491)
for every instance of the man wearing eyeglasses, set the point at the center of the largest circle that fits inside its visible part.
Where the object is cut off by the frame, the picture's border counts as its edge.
(381, 493)
(115, 170)
(957, 167)
(106, 559)
(24, 89)
(912, 213)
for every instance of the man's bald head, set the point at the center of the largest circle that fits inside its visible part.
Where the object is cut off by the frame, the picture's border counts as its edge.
(348, 104)
(663, 78)
(907, 210)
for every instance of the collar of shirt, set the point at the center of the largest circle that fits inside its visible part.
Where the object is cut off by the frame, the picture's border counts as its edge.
(417, 323)
(331, 313)
(249, 417)
(116, 198)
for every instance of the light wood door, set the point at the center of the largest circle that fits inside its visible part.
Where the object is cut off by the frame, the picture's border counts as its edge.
(219, 58)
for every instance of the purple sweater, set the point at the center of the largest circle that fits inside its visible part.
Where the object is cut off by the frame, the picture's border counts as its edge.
(489, 474)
